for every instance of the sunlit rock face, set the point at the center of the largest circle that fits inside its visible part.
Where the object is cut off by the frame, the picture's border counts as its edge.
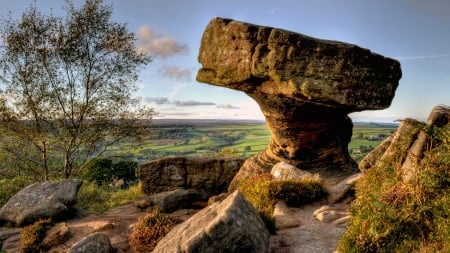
(305, 87)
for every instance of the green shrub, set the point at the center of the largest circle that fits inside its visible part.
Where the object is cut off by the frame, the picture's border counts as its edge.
(297, 193)
(103, 171)
(102, 198)
(150, 229)
(99, 171)
(9, 187)
(390, 215)
(31, 236)
(262, 191)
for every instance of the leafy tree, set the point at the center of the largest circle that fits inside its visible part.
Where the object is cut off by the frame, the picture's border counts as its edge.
(67, 86)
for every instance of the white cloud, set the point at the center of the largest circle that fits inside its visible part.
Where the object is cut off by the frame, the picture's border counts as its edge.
(176, 72)
(227, 106)
(158, 45)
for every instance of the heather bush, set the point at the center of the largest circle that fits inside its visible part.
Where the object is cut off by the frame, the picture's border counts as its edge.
(150, 229)
(31, 236)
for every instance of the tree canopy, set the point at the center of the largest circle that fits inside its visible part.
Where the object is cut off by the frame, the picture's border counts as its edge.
(67, 87)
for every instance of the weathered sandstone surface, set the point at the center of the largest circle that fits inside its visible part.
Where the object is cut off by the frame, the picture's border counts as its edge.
(232, 225)
(208, 175)
(41, 200)
(305, 87)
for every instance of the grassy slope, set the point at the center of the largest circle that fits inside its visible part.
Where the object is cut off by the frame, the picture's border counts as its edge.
(391, 215)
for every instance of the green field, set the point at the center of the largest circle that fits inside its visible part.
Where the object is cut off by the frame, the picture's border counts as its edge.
(226, 138)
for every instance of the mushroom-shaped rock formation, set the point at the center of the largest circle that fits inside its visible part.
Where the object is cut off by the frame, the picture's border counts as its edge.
(305, 87)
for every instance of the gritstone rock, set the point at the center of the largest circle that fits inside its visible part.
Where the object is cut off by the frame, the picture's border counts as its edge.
(41, 200)
(406, 146)
(232, 225)
(305, 87)
(208, 175)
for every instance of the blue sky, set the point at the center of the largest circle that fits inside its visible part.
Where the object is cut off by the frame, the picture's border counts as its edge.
(416, 32)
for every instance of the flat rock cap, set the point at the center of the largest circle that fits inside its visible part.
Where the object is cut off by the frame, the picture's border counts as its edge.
(264, 60)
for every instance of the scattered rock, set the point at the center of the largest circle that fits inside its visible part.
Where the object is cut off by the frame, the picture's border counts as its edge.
(330, 214)
(41, 200)
(217, 198)
(208, 175)
(305, 87)
(283, 216)
(338, 191)
(58, 234)
(170, 200)
(94, 243)
(286, 171)
(6, 233)
(232, 225)
(343, 221)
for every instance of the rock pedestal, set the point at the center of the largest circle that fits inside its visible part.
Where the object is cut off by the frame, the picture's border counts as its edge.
(305, 87)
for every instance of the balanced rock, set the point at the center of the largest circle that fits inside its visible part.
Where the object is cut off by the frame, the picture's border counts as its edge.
(232, 225)
(305, 87)
(41, 200)
(208, 175)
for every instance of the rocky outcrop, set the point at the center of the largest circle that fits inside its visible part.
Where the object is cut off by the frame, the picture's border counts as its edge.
(94, 243)
(232, 225)
(405, 148)
(169, 201)
(208, 175)
(305, 87)
(41, 200)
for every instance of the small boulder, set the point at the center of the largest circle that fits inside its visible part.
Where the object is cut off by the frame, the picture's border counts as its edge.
(286, 171)
(170, 200)
(56, 235)
(41, 200)
(338, 191)
(93, 243)
(232, 225)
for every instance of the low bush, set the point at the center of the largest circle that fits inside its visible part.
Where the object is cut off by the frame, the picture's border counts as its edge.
(390, 215)
(263, 192)
(102, 198)
(150, 229)
(297, 193)
(31, 236)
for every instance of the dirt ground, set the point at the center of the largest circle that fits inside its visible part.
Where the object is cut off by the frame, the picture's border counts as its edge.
(300, 231)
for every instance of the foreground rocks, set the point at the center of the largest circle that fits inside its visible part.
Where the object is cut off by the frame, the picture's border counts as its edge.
(305, 87)
(406, 146)
(41, 200)
(232, 225)
(208, 175)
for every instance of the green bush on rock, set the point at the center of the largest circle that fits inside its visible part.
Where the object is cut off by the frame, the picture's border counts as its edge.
(263, 191)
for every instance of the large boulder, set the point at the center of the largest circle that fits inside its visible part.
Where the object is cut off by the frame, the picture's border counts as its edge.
(232, 225)
(208, 175)
(41, 200)
(305, 87)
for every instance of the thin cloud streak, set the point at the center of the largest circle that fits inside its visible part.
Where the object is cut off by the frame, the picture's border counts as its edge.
(421, 57)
